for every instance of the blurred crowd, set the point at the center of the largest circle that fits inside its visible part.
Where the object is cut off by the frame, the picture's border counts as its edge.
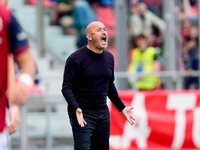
(74, 16)
(146, 28)
(146, 18)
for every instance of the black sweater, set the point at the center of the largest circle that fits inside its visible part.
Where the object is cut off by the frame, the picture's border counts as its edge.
(88, 80)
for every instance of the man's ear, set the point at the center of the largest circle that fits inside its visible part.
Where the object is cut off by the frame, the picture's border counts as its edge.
(89, 37)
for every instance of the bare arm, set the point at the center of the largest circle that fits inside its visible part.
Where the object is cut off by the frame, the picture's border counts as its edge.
(17, 92)
(27, 63)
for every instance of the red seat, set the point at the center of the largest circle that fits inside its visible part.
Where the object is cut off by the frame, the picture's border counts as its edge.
(107, 17)
(46, 3)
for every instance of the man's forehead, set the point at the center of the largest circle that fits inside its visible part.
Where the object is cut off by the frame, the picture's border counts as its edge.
(100, 26)
(96, 24)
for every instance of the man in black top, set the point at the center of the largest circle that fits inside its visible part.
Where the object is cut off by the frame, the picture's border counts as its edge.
(88, 80)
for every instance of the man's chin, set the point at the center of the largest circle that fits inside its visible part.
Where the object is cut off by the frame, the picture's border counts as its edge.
(104, 46)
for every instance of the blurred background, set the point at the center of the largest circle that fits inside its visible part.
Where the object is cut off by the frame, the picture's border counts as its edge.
(56, 28)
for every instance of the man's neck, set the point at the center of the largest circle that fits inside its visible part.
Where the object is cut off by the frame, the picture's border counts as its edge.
(94, 49)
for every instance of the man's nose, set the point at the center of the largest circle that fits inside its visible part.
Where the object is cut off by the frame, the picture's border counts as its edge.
(105, 32)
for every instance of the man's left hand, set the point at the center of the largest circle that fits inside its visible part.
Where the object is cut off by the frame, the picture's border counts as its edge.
(126, 112)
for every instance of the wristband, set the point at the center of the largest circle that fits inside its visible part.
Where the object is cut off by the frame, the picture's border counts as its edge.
(26, 79)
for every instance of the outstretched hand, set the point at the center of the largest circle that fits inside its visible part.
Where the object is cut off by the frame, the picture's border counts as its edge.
(126, 112)
(79, 116)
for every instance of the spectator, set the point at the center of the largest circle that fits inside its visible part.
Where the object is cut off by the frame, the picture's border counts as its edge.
(190, 57)
(142, 22)
(193, 34)
(83, 16)
(144, 60)
(154, 6)
(191, 10)
(191, 62)
(185, 30)
(63, 10)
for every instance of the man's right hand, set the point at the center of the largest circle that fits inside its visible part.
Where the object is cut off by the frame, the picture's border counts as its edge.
(79, 116)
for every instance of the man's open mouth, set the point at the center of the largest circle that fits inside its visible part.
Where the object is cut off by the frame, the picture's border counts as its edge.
(104, 39)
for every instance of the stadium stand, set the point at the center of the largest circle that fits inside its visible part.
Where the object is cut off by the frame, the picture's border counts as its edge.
(58, 44)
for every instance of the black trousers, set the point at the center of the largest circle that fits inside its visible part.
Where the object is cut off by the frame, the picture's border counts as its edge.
(95, 135)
